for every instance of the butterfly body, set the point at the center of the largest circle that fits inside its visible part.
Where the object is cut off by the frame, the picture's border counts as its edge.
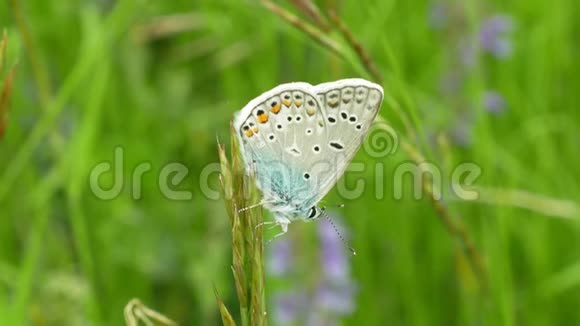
(298, 139)
(288, 196)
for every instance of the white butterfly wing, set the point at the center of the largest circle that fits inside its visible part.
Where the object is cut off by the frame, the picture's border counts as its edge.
(349, 106)
(278, 131)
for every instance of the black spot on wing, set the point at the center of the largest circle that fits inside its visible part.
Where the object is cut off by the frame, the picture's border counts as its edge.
(336, 145)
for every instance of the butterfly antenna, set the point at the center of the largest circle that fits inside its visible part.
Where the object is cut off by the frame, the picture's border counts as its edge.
(334, 205)
(338, 233)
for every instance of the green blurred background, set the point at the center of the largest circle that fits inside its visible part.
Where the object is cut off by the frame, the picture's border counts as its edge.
(490, 82)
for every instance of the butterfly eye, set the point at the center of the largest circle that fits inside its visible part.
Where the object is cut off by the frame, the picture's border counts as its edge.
(312, 212)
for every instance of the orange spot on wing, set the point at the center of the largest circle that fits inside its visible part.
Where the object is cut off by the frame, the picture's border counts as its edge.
(249, 133)
(287, 103)
(298, 104)
(263, 118)
(333, 104)
(276, 108)
(255, 130)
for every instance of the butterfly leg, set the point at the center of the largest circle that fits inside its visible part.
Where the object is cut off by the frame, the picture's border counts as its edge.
(250, 207)
(265, 223)
(261, 203)
(284, 227)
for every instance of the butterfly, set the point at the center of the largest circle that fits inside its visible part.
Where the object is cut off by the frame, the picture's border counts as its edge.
(298, 139)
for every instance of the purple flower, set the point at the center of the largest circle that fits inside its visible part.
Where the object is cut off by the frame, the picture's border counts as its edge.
(337, 298)
(334, 254)
(461, 134)
(438, 16)
(288, 307)
(329, 297)
(467, 53)
(493, 102)
(319, 318)
(280, 259)
(493, 36)
(451, 83)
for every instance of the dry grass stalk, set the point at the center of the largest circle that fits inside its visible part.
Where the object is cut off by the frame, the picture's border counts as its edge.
(247, 240)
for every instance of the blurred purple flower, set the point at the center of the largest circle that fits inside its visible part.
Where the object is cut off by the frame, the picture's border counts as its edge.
(467, 53)
(494, 37)
(451, 83)
(493, 102)
(319, 318)
(337, 298)
(437, 15)
(461, 134)
(331, 297)
(280, 259)
(334, 254)
(289, 307)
